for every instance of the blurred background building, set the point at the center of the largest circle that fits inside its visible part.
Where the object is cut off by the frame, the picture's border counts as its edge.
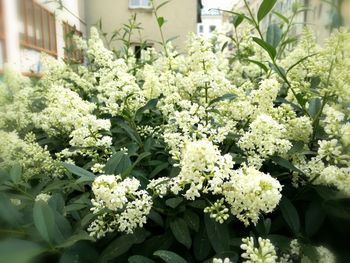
(30, 27)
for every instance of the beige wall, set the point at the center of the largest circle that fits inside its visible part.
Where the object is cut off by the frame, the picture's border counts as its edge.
(180, 14)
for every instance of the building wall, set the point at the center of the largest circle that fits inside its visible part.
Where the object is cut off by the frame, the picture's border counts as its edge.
(28, 59)
(207, 23)
(180, 14)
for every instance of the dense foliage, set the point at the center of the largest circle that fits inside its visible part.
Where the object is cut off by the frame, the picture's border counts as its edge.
(207, 156)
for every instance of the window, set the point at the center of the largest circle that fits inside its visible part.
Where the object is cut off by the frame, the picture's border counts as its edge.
(212, 28)
(71, 52)
(138, 48)
(37, 27)
(200, 29)
(140, 4)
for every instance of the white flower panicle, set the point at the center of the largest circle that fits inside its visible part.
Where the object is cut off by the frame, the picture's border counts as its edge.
(127, 206)
(264, 252)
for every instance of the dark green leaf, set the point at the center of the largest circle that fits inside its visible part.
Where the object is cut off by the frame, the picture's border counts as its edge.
(169, 257)
(290, 214)
(227, 96)
(80, 252)
(151, 104)
(139, 259)
(218, 235)
(285, 163)
(192, 220)
(201, 245)
(314, 218)
(121, 245)
(75, 238)
(174, 202)
(265, 8)
(118, 163)
(273, 35)
(19, 251)
(268, 48)
(181, 232)
(8, 211)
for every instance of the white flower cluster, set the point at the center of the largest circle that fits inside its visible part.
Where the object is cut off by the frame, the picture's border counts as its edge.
(119, 205)
(265, 251)
(219, 260)
(34, 159)
(266, 137)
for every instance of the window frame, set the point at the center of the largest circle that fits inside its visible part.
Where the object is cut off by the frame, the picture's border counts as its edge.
(140, 5)
(77, 56)
(51, 26)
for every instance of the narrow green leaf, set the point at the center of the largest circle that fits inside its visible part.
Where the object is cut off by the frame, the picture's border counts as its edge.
(162, 4)
(169, 257)
(268, 48)
(118, 163)
(282, 17)
(290, 214)
(227, 96)
(151, 104)
(285, 163)
(261, 65)
(265, 8)
(181, 232)
(75, 238)
(78, 171)
(237, 20)
(44, 220)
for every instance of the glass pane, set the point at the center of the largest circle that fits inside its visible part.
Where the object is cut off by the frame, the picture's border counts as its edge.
(46, 30)
(52, 34)
(29, 15)
(38, 26)
(135, 3)
(146, 3)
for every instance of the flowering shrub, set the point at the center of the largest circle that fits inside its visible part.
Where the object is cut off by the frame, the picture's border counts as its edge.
(195, 157)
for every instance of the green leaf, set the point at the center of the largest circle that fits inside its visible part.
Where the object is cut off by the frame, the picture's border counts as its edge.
(80, 252)
(118, 163)
(218, 235)
(201, 245)
(261, 65)
(285, 163)
(269, 49)
(227, 96)
(16, 173)
(122, 244)
(158, 169)
(181, 232)
(192, 220)
(273, 35)
(75, 238)
(290, 214)
(151, 104)
(265, 8)
(169, 257)
(174, 202)
(79, 171)
(19, 251)
(314, 218)
(315, 105)
(282, 17)
(160, 21)
(139, 259)
(162, 4)
(51, 225)
(280, 241)
(237, 20)
(8, 211)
